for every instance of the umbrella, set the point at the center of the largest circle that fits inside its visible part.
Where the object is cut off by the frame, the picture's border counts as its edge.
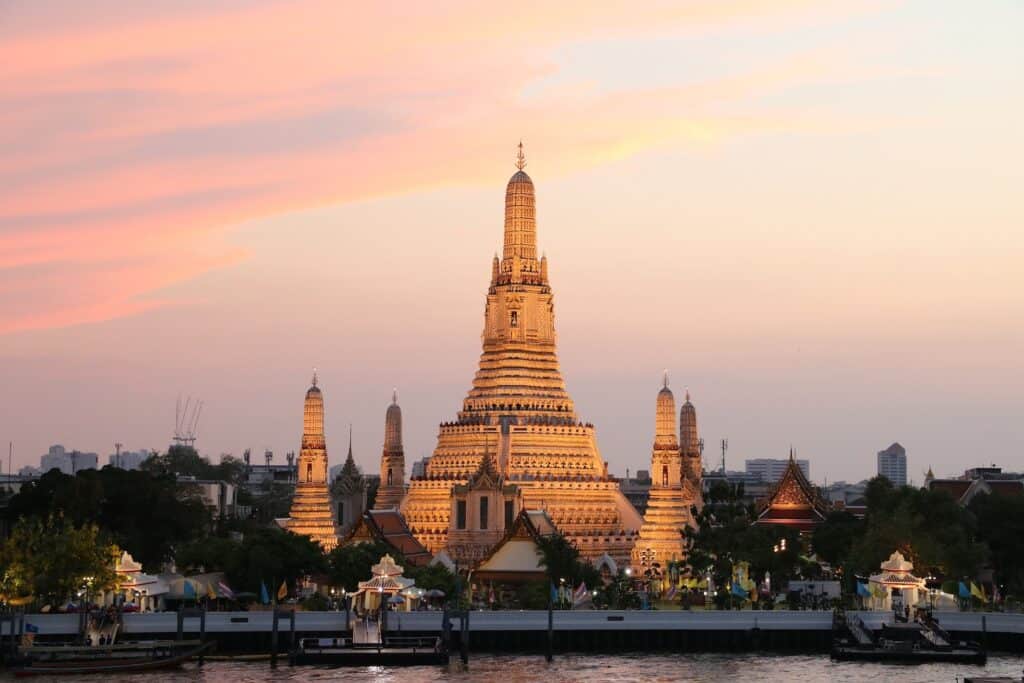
(396, 599)
(435, 593)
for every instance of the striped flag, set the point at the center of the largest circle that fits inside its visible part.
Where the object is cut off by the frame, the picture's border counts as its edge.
(225, 590)
(670, 593)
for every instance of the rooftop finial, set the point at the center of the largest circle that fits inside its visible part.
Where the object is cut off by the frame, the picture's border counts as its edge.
(687, 394)
(520, 157)
(314, 377)
(394, 395)
(666, 378)
(349, 439)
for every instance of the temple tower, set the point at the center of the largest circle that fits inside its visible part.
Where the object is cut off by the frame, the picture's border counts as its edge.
(392, 459)
(690, 444)
(518, 408)
(348, 493)
(671, 496)
(311, 513)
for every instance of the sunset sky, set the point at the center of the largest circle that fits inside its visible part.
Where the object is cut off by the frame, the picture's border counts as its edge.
(810, 212)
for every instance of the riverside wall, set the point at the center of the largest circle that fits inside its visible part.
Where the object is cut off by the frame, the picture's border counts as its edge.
(584, 631)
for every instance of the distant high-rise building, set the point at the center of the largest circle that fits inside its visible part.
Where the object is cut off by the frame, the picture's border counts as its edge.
(128, 460)
(68, 462)
(770, 470)
(892, 464)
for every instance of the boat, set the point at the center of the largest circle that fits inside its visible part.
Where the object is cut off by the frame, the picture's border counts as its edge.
(911, 642)
(69, 660)
(394, 651)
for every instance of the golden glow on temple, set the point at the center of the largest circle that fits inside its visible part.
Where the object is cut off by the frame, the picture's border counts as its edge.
(540, 455)
(311, 513)
(675, 487)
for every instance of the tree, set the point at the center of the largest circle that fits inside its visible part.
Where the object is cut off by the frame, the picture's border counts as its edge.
(146, 514)
(53, 559)
(272, 555)
(433, 577)
(561, 560)
(1000, 521)
(833, 539)
(349, 564)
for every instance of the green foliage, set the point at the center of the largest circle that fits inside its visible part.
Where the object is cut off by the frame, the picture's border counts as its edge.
(928, 527)
(52, 559)
(1000, 524)
(142, 513)
(560, 559)
(725, 535)
(186, 461)
(436, 576)
(350, 564)
(834, 539)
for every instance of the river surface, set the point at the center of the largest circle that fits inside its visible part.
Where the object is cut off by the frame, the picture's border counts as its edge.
(590, 668)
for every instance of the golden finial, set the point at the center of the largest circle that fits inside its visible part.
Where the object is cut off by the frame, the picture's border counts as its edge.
(314, 377)
(394, 395)
(666, 378)
(520, 157)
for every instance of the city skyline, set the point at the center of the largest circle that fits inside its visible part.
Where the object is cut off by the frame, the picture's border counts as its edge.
(821, 196)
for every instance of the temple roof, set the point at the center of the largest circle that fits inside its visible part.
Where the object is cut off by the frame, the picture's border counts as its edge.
(388, 526)
(517, 554)
(794, 501)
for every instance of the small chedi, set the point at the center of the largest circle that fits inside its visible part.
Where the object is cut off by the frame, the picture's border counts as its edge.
(311, 513)
(675, 484)
(519, 416)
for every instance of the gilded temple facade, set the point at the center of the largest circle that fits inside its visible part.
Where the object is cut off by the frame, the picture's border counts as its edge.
(673, 491)
(311, 512)
(519, 412)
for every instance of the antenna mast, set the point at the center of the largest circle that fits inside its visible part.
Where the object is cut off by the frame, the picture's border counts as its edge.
(725, 447)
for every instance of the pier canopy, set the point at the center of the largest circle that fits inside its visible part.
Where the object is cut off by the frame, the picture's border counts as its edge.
(386, 584)
(895, 586)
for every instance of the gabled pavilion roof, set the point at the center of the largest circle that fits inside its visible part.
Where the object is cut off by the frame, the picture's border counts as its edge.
(793, 501)
(388, 526)
(517, 557)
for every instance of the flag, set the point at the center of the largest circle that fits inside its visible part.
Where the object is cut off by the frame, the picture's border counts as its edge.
(977, 592)
(581, 595)
(264, 595)
(554, 593)
(210, 592)
(964, 591)
(670, 593)
(225, 590)
(282, 592)
(189, 590)
(862, 590)
(738, 591)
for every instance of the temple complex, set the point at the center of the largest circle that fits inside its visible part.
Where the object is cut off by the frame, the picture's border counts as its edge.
(518, 414)
(311, 513)
(392, 460)
(793, 502)
(673, 490)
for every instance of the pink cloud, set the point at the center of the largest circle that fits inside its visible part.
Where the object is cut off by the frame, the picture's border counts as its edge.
(134, 138)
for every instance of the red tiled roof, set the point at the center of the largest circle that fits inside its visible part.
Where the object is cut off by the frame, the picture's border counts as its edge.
(1006, 488)
(956, 487)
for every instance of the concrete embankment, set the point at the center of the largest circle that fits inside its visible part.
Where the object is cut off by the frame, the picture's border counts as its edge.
(526, 631)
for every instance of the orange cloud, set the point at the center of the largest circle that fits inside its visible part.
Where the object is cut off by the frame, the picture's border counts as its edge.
(137, 139)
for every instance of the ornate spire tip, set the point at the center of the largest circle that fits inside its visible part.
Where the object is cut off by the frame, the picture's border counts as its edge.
(666, 379)
(394, 396)
(520, 157)
(314, 377)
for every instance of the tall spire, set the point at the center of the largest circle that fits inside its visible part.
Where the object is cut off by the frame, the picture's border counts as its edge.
(314, 377)
(665, 418)
(350, 440)
(520, 253)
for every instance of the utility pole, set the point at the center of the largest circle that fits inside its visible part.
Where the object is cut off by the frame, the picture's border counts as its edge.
(725, 447)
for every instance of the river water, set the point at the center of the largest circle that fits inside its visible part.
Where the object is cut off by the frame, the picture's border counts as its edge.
(590, 668)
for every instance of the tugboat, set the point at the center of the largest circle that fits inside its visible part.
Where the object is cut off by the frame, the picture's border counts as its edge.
(915, 642)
